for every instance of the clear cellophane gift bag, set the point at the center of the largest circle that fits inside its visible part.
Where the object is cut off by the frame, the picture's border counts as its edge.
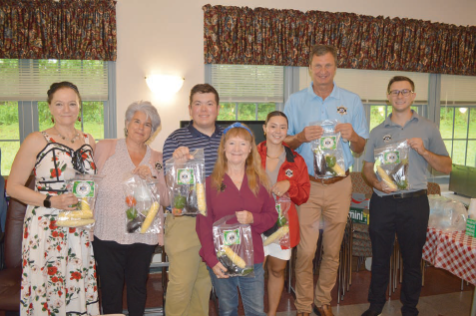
(85, 188)
(391, 165)
(234, 246)
(279, 233)
(186, 184)
(327, 151)
(141, 204)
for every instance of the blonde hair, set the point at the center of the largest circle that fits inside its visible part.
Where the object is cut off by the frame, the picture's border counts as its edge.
(254, 171)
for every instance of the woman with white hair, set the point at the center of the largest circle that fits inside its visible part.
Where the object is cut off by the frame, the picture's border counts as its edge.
(122, 257)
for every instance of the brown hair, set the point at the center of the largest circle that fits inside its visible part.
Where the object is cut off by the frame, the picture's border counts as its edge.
(275, 113)
(61, 85)
(321, 50)
(204, 88)
(254, 171)
(400, 78)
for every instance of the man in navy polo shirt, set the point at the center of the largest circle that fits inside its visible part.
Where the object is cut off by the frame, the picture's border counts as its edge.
(402, 212)
(330, 197)
(188, 291)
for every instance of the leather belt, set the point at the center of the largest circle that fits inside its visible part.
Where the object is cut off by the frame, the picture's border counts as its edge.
(330, 180)
(405, 195)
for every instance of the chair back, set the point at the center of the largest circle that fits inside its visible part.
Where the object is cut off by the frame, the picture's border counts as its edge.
(14, 229)
(359, 185)
(434, 188)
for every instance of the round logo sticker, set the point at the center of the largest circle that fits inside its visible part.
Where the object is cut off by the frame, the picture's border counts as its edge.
(185, 176)
(231, 237)
(83, 189)
(328, 142)
(392, 157)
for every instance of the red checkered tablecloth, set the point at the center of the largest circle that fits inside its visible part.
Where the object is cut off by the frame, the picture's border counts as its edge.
(454, 252)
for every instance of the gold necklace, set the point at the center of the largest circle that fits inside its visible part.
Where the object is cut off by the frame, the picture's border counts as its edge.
(65, 138)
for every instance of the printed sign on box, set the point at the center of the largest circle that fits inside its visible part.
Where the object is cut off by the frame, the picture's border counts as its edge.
(470, 227)
(359, 208)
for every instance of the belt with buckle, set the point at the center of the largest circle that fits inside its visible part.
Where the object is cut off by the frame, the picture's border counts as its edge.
(405, 195)
(330, 180)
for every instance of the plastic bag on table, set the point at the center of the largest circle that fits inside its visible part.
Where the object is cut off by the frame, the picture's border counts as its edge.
(446, 214)
(391, 165)
(234, 246)
(186, 184)
(84, 187)
(141, 204)
(279, 233)
(327, 151)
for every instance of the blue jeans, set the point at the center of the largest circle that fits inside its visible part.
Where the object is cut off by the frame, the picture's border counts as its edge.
(251, 291)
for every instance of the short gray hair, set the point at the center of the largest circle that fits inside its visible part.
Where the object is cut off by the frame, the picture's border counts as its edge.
(148, 109)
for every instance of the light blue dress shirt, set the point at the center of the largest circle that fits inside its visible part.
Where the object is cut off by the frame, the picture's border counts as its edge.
(305, 107)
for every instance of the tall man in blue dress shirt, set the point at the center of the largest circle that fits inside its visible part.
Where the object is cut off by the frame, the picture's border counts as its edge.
(330, 198)
(403, 213)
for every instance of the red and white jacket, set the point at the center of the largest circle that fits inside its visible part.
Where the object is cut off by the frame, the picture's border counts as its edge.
(294, 170)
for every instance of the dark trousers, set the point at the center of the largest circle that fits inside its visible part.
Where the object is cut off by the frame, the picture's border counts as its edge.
(117, 263)
(408, 218)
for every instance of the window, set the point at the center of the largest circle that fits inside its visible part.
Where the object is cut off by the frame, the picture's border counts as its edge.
(247, 92)
(23, 106)
(458, 118)
(449, 101)
(371, 86)
(9, 134)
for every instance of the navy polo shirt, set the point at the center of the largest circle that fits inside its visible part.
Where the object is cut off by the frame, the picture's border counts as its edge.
(190, 137)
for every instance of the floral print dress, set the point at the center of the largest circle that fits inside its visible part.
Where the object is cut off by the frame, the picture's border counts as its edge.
(59, 272)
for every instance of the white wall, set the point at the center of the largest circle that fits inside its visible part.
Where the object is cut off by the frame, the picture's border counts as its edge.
(165, 36)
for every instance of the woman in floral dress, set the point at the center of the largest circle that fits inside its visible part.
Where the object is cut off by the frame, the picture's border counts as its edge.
(59, 274)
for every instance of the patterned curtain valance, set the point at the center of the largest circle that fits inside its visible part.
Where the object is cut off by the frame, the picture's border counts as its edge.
(68, 29)
(240, 35)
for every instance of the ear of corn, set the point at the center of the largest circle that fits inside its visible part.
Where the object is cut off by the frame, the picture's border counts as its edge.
(154, 208)
(276, 235)
(75, 215)
(85, 204)
(338, 170)
(74, 222)
(386, 178)
(332, 163)
(234, 257)
(202, 205)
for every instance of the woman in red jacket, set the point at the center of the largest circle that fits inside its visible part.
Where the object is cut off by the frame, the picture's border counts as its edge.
(288, 174)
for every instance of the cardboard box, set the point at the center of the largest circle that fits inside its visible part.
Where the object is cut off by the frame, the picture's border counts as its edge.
(471, 227)
(359, 208)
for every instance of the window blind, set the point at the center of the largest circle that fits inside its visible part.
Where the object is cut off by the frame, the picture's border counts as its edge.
(371, 85)
(458, 90)
(29, 80)
(248, 83)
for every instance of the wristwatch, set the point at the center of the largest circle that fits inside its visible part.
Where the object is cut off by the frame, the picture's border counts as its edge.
(47, 202)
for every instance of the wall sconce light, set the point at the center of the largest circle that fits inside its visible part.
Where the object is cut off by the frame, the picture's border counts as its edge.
(163, 85)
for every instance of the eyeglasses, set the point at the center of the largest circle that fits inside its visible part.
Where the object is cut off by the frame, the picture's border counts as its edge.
(404, 92)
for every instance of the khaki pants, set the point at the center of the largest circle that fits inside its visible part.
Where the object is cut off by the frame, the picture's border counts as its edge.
(331, 202)
(188, 290)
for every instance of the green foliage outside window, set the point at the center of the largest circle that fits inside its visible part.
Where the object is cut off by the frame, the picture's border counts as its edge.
(93, 118)
(9, 131)
(245, 111)
(93, 123)
(456, 134)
